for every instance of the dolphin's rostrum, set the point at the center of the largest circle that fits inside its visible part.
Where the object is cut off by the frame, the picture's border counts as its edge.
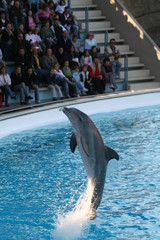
(94, 154)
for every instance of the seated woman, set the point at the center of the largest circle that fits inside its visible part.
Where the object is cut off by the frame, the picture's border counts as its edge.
(52, 85)
(60, 7)
(30, 21)
(5, 83)
(61, 80)
(73, 58)
(90, 41)
(43, 13)
(67, 71)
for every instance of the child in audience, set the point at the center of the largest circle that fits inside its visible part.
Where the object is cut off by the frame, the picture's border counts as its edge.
(86, 79)
(86, 58)
(80, 89)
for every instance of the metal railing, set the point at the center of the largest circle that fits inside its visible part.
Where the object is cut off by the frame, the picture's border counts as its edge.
(33, 2)
(106, 39)
(86, 19)
(126, 72)
(69, 5)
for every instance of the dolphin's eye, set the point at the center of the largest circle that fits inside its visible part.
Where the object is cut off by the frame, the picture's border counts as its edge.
(80, 119)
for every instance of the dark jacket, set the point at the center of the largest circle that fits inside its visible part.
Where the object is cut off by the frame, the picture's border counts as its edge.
(16, 79)
(30, 80)
(51, 79)
(65, 44)
(5, 36)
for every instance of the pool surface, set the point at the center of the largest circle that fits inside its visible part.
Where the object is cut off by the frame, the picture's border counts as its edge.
(41, 181)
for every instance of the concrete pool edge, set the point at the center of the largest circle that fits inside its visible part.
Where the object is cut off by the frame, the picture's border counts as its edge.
(44, 115)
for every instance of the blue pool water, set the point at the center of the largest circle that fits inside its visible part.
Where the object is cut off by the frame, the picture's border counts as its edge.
(41, 180)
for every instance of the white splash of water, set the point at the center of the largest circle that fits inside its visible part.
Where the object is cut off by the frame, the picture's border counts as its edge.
(71, 225)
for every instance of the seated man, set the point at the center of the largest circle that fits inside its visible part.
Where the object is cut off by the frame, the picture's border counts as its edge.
(18, 85)
(95, 71)
(31, 83)
(107, 71)
(69, 21)
(113, 54)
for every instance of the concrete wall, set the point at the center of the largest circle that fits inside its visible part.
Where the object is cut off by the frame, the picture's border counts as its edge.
(147, 13)
(144, 48)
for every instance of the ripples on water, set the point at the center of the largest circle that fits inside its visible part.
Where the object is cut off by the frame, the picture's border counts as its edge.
(40, 178)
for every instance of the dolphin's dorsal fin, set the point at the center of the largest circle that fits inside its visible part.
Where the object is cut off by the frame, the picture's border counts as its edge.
(73, 142)
(110, 153)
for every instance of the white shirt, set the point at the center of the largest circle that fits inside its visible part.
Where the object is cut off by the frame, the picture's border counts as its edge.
(89, 43)
(5, 79)
(60, 8)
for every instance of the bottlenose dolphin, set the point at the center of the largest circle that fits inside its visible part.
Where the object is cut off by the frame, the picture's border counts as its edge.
(94, 154)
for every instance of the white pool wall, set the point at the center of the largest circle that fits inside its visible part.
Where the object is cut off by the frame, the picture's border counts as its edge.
(52, 116)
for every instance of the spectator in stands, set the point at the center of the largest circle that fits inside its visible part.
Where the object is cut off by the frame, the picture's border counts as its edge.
(73, 58)
(38, 42)
(95, 71)
(85, 58)
(113, 53)
(43, 14)
(86, 79)
(48, 36)
(5, 83)
(48, 60)
(31, 83)
(7, 41)
(20, 42)
(94, 51)
(37, 66)
(90, 41)
(76, 44)
(18, 85)
(52, 85)
(22, 59)
(57, 28)
(60, 56)
(60, 7)
(16, 14)
(30, 36)
(4, 8)
(69, 75)
(108, 75)
(19, 29)
(3, 20)
(51, 11)
(30, 22)
(65, 42)
(69, 22)
(80, 89)
(61, 80)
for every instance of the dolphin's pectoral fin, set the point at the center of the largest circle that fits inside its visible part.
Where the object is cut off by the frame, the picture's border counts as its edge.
(73, 143)
(110, 154)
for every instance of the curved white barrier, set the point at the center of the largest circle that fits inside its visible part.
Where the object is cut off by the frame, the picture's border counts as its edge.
(37, 119)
